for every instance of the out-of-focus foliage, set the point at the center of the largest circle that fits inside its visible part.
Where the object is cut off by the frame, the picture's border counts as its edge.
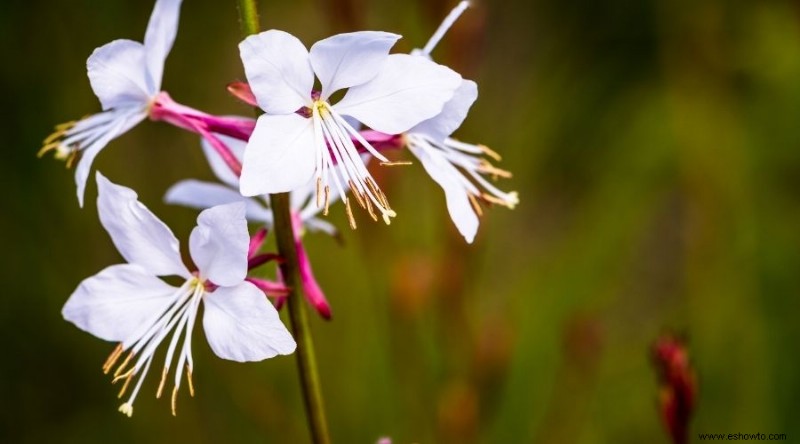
(656, 149)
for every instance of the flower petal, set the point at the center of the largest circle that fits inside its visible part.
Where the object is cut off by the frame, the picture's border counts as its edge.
(217, 164)
(118, 74)
(350, 59)
(140, 237)
(116, 301)
(219, 244)
(407, 91)
(453, 114)
(201, 195)
(279, 156)
(159, 37)
(458, 204)
(241, 325)
(277, 67)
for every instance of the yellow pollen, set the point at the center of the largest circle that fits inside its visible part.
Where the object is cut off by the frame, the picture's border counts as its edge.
(370, 210)
(126, 409)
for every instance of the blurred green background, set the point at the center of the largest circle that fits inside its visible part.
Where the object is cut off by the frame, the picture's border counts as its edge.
(656, 150)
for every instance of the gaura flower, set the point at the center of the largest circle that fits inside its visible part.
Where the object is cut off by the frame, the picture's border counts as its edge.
(126, 77)
(130, 304)
(302, 135)
(200, 194)
(457, 166)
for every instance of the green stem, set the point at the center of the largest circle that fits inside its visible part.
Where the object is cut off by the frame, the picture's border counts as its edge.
(298, 314)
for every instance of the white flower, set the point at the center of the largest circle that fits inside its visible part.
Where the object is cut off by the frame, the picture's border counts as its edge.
(303, 135)
(200, 194)
(129, 304)
(126, 77)
(447, 160)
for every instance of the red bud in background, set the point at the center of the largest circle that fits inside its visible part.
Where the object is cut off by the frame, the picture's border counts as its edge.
(678, 386)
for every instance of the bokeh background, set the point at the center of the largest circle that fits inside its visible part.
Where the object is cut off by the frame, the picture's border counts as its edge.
(655, 146)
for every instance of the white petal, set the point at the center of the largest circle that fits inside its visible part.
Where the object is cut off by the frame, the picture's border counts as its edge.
(279, 156)
(458, 204)
(242, 325)
(201, 195)
(141, 237)
(118, 74)
(350, 59)
(218, 166)
(160, 36)
(116, 301)
(278, 70)
(219, 244)
(453, 114)
(407, 91)
(127, 119)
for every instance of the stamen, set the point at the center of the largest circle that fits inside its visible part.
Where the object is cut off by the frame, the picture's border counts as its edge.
(174, 401)
(350, 214)
(112, 358)
(446, 24)
(475, 205)
(488, 168)
(489, 198)
(161, 384)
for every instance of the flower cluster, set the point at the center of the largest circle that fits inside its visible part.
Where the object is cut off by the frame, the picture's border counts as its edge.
(305, 143)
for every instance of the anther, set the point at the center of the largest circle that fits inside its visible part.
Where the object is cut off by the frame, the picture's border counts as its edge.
(397, 163)
(189, 378)
(161, 384)
(125, 386)
(319, 192)
(123, 365)
(371, 211)
(327, 199)
(126, 409)
(174, 401)
(356, 194)
(475, 205)
(350, 214)
(112, 358)
(489, 152)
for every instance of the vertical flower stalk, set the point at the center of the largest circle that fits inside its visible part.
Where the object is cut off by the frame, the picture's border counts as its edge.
(298, 316)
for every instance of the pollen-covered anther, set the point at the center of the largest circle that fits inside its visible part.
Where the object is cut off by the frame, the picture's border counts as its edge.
(174, 402)
(124, 364)
(357, 194)
(490, 152)
(475, 205)
(327, 199)
(189, 378)
(112, 358)
(488, 168)
(350, 214)
(397, 163)
(128, 376)
(161, 384)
